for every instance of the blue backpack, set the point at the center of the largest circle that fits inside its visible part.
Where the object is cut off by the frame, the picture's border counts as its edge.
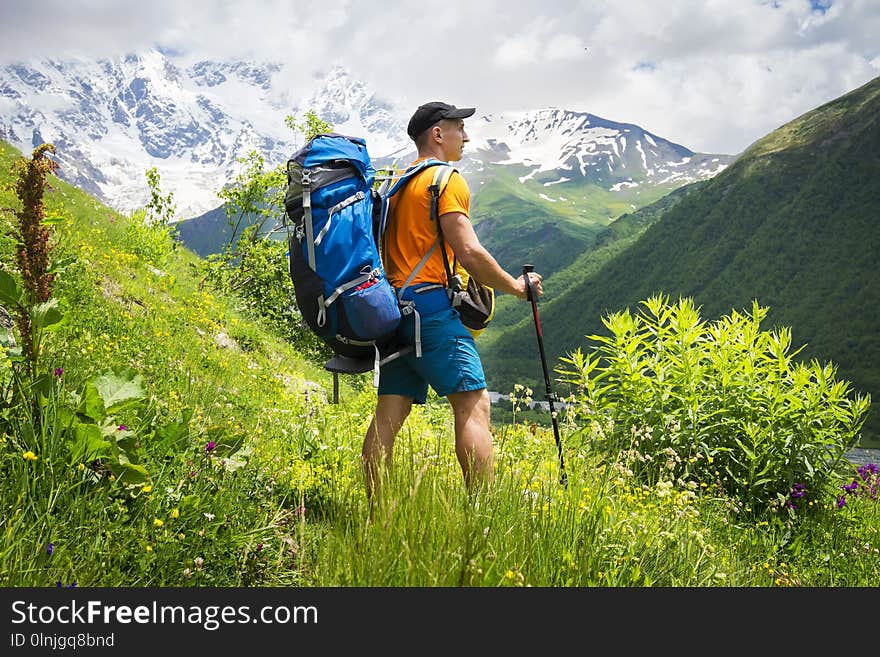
(336, 220)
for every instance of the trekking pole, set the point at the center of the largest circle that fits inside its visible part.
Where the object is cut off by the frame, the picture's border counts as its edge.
(563, 478)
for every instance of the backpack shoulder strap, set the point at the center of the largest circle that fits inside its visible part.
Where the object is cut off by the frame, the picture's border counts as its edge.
(442, 173)
(438, 185)
(441, 177)
(395, 182)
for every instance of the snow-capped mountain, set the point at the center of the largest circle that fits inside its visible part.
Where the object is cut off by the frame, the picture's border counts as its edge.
(557, 146)
(112, 120)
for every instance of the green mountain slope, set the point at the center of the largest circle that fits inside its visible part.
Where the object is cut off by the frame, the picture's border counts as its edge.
(792, 223)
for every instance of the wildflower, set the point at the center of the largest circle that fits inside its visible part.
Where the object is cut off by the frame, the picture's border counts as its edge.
(175, 513)
(798, 490)
(59, 371)
(81, 466)
(158, 522)
(29, 456)
(149, 548)
(210, 447)
(147, 489)
(187, 572)
(50, 548)
(209, 516)
(841, 501)
(122, 427)
(199, 562)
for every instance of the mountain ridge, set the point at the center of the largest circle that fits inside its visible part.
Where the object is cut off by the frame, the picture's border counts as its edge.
(112, 120)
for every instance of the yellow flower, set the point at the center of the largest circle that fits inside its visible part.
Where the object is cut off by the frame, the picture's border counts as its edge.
(175, 513)
(29, 456)
(81, 466)
(158, 522)
(149, 548)
(147, 488)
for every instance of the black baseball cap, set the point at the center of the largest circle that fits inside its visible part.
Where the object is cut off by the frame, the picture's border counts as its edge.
(430, 113)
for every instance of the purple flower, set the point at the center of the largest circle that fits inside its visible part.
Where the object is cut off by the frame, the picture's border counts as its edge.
(798, 490)
(50, 548)
(841, 501)
(852, 488)
(210, 447)
(121, 427)
(59, 371)
(865, 471)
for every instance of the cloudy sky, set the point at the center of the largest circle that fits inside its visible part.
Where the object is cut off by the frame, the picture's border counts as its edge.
(713, 75)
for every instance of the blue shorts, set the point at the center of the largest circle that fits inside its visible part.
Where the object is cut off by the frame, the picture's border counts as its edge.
(449, 362)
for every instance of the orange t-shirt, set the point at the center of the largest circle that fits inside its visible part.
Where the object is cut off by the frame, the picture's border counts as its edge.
(410, 233)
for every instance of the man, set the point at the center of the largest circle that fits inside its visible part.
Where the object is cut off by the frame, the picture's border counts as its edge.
(449, 362)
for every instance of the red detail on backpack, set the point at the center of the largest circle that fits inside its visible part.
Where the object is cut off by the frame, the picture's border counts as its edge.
(369, 283)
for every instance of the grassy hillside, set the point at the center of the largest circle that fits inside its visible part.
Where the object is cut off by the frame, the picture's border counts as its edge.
(168, 438)
(792, 223)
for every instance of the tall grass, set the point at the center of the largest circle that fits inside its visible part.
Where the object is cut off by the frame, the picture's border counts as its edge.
(181, 442)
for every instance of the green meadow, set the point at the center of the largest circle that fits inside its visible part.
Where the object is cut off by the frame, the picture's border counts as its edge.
(160, 428)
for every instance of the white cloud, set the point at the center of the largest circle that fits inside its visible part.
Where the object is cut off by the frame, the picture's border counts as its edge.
(712, 75)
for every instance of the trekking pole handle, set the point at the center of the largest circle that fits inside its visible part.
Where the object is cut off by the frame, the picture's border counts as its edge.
(526, 270)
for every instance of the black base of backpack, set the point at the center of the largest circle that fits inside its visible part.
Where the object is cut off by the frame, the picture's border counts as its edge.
(346, 365)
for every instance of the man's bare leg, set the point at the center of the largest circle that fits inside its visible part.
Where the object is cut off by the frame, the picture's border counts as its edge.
(391, 412)
(473, 440)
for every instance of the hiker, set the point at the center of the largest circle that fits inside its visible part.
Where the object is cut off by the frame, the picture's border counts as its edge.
(449, 361)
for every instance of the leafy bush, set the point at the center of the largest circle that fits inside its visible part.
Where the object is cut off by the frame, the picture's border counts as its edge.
(720, 405)
(150, 233)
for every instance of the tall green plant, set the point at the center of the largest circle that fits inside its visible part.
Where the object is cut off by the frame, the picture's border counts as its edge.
(34, 309)
(720, 405)
(150, 232)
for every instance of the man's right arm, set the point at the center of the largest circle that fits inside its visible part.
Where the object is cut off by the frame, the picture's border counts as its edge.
(459, 233)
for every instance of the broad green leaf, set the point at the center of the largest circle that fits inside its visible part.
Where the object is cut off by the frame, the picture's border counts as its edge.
(10, 293)
(118, 390)
(174, 434)
(87, 444)
(92, 405)
(128, 473)
(236, 461)
(46, 314)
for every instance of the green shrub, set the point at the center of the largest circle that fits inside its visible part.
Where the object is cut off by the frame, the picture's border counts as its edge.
(721, 405)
